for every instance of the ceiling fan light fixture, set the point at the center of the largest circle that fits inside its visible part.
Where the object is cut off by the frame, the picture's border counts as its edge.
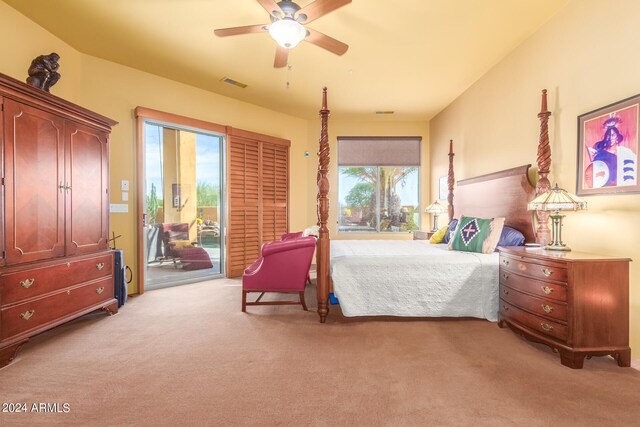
(287, 32)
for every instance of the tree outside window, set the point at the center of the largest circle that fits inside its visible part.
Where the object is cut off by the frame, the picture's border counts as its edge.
(378, 199)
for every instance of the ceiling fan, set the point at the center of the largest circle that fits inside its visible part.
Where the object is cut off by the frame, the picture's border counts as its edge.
(287, 26)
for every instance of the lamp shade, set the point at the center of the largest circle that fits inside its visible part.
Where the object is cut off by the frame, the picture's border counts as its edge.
(557, 199)
(287, 32)
(436, 208)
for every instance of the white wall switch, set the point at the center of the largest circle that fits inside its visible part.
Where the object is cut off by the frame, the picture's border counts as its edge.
(125, 196)
(124, 186)
(118, 208)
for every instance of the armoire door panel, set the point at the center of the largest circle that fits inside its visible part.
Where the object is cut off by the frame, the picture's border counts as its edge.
(34, 177)
(87, 197)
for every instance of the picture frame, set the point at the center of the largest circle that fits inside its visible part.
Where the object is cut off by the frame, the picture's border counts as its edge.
(443, 188)
(608, 149)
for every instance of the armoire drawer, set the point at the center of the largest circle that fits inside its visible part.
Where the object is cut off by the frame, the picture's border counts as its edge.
(24, 317)
(533, 322)
(541, 288)
(548, 308)
(28, 283)
(546, 271)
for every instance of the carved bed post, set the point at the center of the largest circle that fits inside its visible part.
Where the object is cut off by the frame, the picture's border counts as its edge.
(544, 166)
(322, 253)
(451, 180)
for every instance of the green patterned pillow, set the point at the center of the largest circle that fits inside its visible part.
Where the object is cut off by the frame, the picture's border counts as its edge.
(477, 234)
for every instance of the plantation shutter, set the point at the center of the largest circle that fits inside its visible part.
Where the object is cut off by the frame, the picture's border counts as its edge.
(258, 183)
(275, 184)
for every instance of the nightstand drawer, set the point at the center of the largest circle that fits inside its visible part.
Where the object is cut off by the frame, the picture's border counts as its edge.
(543, 307)
(533, 322)
(539, 288)
(539, 271)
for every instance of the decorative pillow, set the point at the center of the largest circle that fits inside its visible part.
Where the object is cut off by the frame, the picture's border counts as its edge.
(181, 244)
(477, 234)
(438, 235)
(451, 229)
(511, 237)
(314, 231)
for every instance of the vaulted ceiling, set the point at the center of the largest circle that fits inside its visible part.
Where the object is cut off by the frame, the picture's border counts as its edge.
(412, 57)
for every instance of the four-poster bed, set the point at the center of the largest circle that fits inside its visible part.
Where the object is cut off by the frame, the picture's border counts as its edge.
(508, 192)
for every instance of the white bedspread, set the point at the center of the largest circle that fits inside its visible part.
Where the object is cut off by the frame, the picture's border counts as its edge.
(413, 278)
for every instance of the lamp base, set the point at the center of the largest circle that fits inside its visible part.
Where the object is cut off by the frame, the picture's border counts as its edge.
(552, 247)
(556, 234)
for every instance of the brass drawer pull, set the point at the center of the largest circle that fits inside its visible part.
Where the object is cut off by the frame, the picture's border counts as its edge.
(100, 265)
(505, 308)
(505, 291)
(505, 261)
(99, 290)
(506, 276)
(26, 283)
(546, 327)
(547, 308)
(27, 314)
(547, 290)
(547, 272)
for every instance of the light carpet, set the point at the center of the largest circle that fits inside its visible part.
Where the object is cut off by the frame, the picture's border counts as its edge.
(188, 356)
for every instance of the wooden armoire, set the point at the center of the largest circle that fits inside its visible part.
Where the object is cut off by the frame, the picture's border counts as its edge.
(55, 261)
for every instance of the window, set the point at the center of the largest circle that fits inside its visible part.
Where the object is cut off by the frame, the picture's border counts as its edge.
(374, 193)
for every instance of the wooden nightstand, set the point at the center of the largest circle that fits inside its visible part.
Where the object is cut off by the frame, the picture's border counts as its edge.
(576, 303)
(422, 235)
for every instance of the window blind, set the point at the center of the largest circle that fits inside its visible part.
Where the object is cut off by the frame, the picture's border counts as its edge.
(379, 151)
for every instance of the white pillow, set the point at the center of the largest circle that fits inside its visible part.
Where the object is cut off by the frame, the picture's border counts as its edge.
(314, 230)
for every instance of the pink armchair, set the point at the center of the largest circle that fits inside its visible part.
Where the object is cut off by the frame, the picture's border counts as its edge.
(283, 267)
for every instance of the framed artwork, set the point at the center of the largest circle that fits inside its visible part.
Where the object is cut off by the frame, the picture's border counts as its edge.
(443, 188)
(608, 149)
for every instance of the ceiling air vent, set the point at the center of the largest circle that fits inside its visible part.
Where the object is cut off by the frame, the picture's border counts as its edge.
(385, 112)
(233, 82)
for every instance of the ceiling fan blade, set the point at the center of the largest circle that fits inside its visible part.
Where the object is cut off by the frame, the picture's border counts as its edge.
(234, 31)
(270, 6)
(326, 42)
(282, 57)
(320, 8)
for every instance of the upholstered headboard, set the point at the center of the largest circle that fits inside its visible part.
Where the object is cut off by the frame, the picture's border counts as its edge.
(499, 194)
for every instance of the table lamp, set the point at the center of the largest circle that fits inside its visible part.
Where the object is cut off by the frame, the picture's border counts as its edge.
(436, 209)
(557, 200)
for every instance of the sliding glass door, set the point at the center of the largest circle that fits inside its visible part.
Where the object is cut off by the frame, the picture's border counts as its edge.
(183, 212)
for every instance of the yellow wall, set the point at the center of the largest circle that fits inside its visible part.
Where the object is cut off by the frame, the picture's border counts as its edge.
(115, 91)
(341, 127)
(586, 56)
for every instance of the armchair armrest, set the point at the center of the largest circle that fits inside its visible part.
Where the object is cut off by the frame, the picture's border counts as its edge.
(254, 268)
